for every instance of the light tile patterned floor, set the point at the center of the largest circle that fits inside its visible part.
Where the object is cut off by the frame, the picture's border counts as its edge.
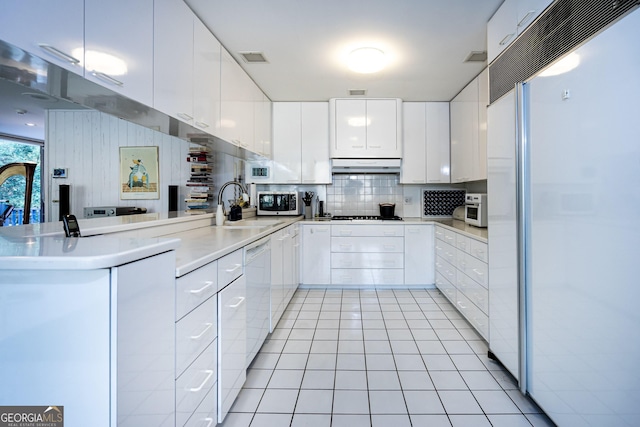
(377, 358)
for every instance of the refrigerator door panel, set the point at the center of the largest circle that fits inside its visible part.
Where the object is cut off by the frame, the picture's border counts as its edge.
(584, 334)
(502, 229)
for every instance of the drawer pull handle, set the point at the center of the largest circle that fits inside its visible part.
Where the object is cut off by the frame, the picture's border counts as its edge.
(502, 42)
(202, 125)
(209, 373)
(346, 233)
(236, 305)
(389, 247)
(209, 421)
(525, 18)
(60, 54)
(478, 272)
(462, 306)
(389, 233)
(106, 78)
(231, 270)
(184, 116)
(204, 331)
(207, 285)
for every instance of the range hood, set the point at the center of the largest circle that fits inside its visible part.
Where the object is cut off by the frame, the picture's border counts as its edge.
(347, 166)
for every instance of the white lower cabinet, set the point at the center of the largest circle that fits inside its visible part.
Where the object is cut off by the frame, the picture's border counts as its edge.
(232, 343)
(195, 384)
(315, 266)
(284, 270)
(363, 254)
(462, 275)
(418, 255)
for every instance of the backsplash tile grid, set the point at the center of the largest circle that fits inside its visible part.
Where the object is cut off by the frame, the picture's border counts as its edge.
(442, 202)
(362, 194)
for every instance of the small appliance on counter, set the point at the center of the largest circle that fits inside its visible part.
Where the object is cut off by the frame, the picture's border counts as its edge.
(104, 211)
(278, 203)
(458, 213)
(476, 209)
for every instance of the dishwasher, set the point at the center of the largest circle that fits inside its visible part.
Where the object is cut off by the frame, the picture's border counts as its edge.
(257, 269)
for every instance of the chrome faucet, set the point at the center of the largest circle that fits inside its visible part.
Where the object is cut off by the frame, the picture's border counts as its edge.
(245, 196)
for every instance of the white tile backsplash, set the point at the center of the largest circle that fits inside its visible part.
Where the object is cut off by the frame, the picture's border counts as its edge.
(361, 194)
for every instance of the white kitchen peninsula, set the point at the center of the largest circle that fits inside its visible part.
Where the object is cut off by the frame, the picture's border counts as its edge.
(87, 323)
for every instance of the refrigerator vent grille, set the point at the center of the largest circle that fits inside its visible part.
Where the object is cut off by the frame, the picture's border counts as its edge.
(562, 27)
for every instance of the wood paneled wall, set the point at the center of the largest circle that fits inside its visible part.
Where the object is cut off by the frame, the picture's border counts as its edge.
(87, 144)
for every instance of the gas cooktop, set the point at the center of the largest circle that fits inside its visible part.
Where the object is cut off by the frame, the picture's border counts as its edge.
(364, 218)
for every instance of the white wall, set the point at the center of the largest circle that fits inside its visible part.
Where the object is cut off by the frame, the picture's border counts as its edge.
(87, 143)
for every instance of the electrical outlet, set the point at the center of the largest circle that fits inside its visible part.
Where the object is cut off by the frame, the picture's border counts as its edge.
(408, 200)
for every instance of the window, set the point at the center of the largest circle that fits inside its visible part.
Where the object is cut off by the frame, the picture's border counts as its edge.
(12, 190)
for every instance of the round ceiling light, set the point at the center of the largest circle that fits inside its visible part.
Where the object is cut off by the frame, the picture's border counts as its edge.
(367, 60)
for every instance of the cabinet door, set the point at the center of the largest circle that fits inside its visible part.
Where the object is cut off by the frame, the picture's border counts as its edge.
(206, 72)
(480, 152)
(316, 165)
(316, 255)
(290, 282)
(438, 142)
(277, 277)
(464, 132)
(286, 142)
(236, 108)
(263, 126)
(382, 128)
(502, 29)
(350, 127)
(419, 255)
(232, 344)
(51, 30)
(414, 138)
(119, 47)
(173, 59)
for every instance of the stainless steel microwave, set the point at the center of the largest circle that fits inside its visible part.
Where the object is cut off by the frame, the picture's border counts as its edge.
(278, 203)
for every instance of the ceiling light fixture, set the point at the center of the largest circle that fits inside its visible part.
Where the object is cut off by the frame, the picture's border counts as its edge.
(366, 60)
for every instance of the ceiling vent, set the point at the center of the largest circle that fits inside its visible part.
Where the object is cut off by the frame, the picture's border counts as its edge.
(476, 56)
(253, 57)
(357, 92)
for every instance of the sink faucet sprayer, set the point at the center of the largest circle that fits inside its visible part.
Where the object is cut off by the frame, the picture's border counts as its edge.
(220, 212)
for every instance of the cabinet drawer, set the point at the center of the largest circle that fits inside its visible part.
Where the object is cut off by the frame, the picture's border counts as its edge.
(479, 250)
(367, 244)
(450, 236)
(447, 270)
(341, 276)
(474, 291)
(195, 287)
(194, 333)
(229, 268)
(367, 260)
(478, 320)
(446, 251)
(367, 230)
(474, 268)
(439, 233)
(446, 287)
(205, 414)
(194, 384)
(463, 243)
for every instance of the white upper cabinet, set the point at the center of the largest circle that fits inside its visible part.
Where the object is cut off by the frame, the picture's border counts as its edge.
(236, 107)
(119, 47)
(206, 73)
(426, 143)
(51, 30)
(286, 143)
(438, 143)
(469, 131)
(365, 128)
(262, 122)
(316, 164)
(173, 59)
(512, 18)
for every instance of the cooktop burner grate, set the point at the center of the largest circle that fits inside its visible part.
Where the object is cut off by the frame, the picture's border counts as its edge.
(364, 218)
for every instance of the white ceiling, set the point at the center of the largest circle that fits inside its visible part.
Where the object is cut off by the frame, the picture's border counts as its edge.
(305, 42)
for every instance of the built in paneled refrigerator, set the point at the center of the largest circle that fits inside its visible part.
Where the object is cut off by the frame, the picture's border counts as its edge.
(564, 230)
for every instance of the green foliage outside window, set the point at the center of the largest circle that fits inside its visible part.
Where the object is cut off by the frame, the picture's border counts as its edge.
(13, 188)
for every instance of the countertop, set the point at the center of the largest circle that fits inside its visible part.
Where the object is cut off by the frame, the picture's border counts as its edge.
(74, 253)
(459, 226)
